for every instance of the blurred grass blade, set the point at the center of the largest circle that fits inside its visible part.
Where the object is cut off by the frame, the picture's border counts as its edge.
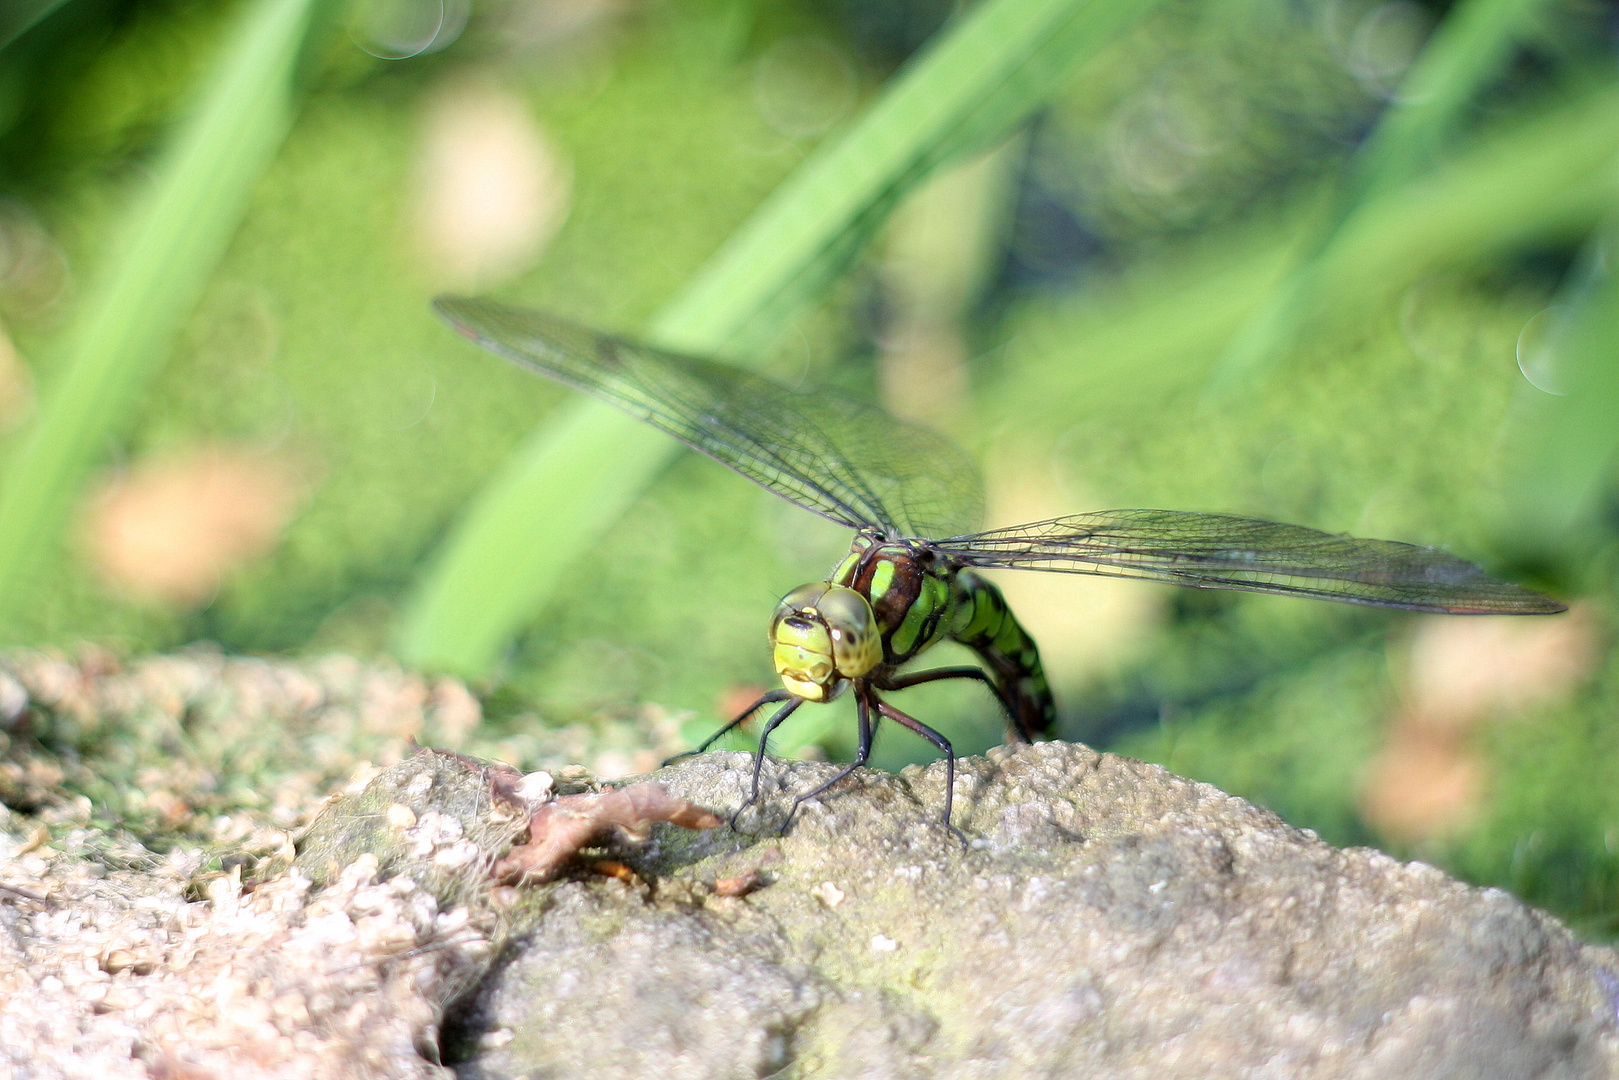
(1467, 51)
(173, 238)
(17, 17)
(959, 98)
(1547, 179)
(574, 477)
(1539, 182)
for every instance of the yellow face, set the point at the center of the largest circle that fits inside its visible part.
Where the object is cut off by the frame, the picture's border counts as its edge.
(822, 636)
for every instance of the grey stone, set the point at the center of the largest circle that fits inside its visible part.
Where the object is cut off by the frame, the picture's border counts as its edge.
(1109, 919)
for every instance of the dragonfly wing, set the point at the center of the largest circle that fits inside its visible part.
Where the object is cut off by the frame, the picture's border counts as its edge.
(845, 460)
(1217, 551)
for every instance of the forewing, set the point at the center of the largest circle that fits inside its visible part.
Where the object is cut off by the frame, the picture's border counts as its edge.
(840, 458)
(1216, 551)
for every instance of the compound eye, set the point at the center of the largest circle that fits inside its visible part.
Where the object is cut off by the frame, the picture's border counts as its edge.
(856, 645)
(845, 611)
(805, 596)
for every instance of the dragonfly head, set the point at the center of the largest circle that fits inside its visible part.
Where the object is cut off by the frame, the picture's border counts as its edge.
(822, 636)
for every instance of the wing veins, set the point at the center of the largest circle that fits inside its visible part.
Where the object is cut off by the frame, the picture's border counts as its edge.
(827, 453)
(1250, 555)
(753, 450)
(765, 453)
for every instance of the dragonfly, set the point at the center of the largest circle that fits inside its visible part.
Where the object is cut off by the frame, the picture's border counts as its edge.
(911, 578)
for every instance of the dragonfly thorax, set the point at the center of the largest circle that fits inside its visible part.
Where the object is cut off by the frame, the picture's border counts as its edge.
(822, 636)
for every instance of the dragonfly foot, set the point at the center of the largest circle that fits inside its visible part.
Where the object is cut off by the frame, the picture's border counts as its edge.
(781, 830)
(744, 808)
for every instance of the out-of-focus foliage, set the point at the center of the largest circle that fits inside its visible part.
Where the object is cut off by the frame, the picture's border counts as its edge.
(173, 237)
(986, 73)
(1391, 221)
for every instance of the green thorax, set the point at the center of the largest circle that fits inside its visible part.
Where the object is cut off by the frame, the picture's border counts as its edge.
(912, 593)
(919, 599)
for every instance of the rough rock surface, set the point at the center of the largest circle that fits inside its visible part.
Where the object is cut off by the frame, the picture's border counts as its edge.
(128, 965)
(1107, 920)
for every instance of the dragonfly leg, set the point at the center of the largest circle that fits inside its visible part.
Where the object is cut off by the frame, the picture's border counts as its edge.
(773, 696)
(966, 671)
(906, 720)
(759, 755)
(863, 711)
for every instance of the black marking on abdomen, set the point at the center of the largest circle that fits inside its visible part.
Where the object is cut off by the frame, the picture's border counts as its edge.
(985, 624)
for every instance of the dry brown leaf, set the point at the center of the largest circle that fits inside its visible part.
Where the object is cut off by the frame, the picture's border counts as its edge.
(1461, 670)
(171, 529)
(1422, 785)
(1428, 780)
(614, 869)
(560, 828)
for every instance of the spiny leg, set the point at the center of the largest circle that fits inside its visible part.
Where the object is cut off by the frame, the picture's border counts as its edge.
(966, 671)
(764, 737)
(863, 711)
(759, 755)
(773, 696)
(942, 743)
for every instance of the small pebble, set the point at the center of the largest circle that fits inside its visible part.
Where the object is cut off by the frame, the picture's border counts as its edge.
(828, 894)
(740, 885)
(459, 854)
(535, 787)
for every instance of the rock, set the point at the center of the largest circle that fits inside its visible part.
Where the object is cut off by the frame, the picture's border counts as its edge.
(130, 973)
(1108, 919)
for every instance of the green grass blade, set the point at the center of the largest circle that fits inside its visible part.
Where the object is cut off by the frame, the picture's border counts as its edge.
(1544, 180)
(574, 478)
(174, 236)
(1466, 52)
(1549, 179)
(17, 17)
(958, 98)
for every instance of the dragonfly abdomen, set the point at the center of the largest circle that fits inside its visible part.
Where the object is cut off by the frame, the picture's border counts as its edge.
(984, 623)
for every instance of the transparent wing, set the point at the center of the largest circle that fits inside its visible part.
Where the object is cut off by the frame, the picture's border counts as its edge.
(842, 459)
(1216, 551)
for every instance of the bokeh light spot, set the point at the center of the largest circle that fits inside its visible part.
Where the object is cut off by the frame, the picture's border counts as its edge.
(16, 384)
(493, 189)
(400, 29)
(171, 529)
(34, 277)
(1537, 350)
(1385, 42)
(803, 85)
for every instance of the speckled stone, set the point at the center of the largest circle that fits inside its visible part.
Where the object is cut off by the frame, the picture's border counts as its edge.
(1109, 919)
